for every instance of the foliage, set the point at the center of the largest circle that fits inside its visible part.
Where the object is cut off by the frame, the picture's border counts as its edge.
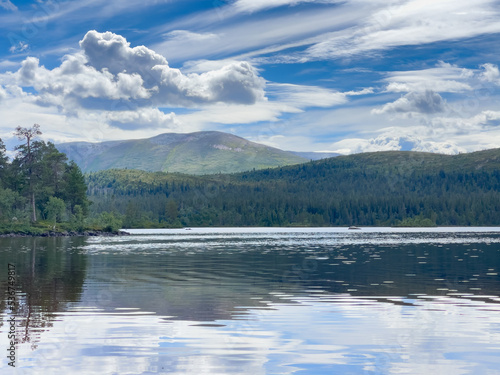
(417, 221)
(28, 161)
(372, 189)
(39, 185)
(74, 189)
(109, 222)
(55, 209)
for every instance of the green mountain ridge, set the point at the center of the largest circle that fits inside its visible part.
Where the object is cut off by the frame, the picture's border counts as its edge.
(192, 153)
(369, 189)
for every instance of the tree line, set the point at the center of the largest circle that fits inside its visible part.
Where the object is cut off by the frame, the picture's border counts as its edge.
(39, 187)
(340, 191)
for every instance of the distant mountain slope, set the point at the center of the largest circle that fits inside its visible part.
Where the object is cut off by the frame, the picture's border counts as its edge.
(194, 153)
(412, 161)
(315, 155)
(382, 188)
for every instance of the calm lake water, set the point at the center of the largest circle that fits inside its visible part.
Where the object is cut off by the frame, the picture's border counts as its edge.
(256, 301)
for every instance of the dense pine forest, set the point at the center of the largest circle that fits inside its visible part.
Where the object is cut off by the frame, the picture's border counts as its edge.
(372, 189)
(40, 191)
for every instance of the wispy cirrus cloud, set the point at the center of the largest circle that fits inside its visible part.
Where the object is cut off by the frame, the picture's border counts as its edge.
(251, 6)
(413, 22)
(443, 77)
(302, 96)
(337, 30)
(254, 36)
(7, 4)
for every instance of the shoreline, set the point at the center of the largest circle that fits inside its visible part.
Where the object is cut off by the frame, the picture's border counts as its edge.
(87, 233)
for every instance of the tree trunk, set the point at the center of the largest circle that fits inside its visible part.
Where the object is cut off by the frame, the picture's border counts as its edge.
(33, 214)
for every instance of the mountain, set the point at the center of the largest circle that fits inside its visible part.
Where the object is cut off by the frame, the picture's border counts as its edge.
(370, 189)
(193, 153)
(315, 155)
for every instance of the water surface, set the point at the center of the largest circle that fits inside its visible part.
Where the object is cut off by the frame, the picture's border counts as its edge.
(257, 301)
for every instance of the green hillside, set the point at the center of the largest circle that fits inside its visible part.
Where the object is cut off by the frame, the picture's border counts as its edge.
(194, 153)
(383, 188)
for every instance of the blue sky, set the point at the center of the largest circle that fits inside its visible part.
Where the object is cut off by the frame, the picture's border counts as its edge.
(344, 76)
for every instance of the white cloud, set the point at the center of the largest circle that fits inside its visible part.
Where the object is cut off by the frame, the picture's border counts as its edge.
(427, 102)
(340, 29)
(110, 84)
(446, 135)
(64, 13)
(143, 118)
(442, 78)
(365, 91)
(3, 94)
(109, 90)
(8, 64)
(258, 5)
(411, 22)
(348, 28)
(286, 98)
(19, 47)
(74, 84)
(185, 36)
(392, 142)
(254, 36)
(229, 114)
(305, 96)
(108, 68)
(7, 4)
(113, 52)
(202, 66)
(490, 73)
(478, 123)
(17, 109)
(237, 82)
(108, 71)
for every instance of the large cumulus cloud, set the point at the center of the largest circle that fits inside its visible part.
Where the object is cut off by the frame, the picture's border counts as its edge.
(108, 69)
(112, 52)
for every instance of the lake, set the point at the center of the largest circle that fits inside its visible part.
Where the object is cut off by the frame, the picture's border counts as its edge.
(255, 301)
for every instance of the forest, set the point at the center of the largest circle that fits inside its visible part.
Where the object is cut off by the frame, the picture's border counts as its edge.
(41, 191)
(373, 189)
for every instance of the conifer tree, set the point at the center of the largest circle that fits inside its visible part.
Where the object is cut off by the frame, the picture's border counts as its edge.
(27, 156)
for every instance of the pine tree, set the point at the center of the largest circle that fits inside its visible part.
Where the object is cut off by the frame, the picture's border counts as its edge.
(74, 190)
(27, 156)
(3, 164)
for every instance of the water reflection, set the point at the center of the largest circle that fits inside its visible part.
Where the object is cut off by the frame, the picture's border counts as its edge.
(49, 275)
(261, 303)
(197, 279)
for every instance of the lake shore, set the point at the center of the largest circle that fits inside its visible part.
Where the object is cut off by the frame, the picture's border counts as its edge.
(89, 233)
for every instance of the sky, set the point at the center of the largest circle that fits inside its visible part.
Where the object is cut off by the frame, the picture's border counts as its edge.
(303, 75)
